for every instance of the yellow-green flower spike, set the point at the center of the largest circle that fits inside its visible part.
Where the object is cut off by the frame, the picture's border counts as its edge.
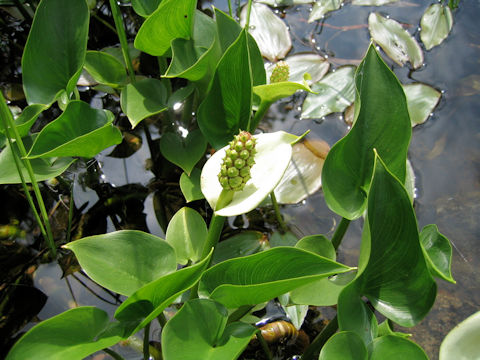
(238, 160)
(281, 72)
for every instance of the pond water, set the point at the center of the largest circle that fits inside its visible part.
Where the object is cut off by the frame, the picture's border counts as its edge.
(444, 152)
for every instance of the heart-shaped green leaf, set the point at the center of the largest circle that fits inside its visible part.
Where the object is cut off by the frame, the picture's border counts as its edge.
(79, 131)
(145, 7)
(438, 252)
(436, 23)
(395, 348)
(190, 185)
(243, 244)
(261, 277)
(199, 331)
(345, 345)
(271, 160)
(145, 98)
(286, 239)
(421, 100)
(184, 152)
(105, 68)
(27, 118)
(382, 123)
(55, 50)
(122, 261)
(73, 335)
(462, 341)
(149, 301)
(227, 106)
(187, 233)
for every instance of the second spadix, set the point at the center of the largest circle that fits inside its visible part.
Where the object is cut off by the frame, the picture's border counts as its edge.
(273, 153)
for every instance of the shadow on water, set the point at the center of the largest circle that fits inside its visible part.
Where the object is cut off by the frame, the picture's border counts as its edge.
(118, 193)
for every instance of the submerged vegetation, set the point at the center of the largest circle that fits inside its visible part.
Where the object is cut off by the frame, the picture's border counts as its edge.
(198, 80)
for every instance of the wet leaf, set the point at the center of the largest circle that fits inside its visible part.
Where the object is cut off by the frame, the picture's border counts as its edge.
(199, 330)
(268, 30)
(273, 155)
(105, 68)
(122, 261)
(303, 176)
(243, 244)
(439, 252)
(395, 348)
(300, 64)
(145, 7)
(345, 345)
(173, 19)
(382, 123)
(397, 43)
(184, 152)
(436, 24)
(261, 277)
(372, 2)
(78, 333)
(52, 64)
(80, 131)
(145, 98)
(462, 341)
(322, 7)
(279, 239)
(190, 185)
(187, 233)
(227, 105)
(334, 93)
(421, 100)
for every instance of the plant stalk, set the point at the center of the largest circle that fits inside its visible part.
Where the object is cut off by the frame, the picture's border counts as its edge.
(146, 342)
(320, 340)
(118, 19)
(340, 232)
(259, 114)
(249, 9)
(277, 213)
(264, 345)
(113, 354)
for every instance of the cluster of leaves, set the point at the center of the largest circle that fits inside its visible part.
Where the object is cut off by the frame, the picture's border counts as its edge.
(365, 174)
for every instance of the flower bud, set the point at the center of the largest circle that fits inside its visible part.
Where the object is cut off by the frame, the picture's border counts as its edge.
(281, 72)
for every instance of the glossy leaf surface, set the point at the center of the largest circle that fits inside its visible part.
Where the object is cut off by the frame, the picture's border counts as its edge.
(271, 160)
(276, 91)
(74, 334)
(243, 244)
(345, 345)
(145, 98)
(186, 233)
(173, 19)
(145, 7)
(79, 131)
(395, 348)
(183, 151)
(55, 50)
(190, 185)
(105, 68)
(261, 277)
(397, 43)
(27, 118)
(439, 252)
(227, 106)
(462, 341)
(382, 123)
(436, 24)
(124, 261)
(200, 331)
(421, 100)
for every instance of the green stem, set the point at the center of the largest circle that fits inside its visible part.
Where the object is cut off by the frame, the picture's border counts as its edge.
(214, 232)
(113, 354)
(239, 313)
(320, 340)
(6, 115)
(162, 320)
(340, 232)
(249, 9)
(98, 18)
(162, 67)
(23, 10)
(146, 342)
(230, 8)
(70, 214)
(277, 212)
(264, 345)
(118, 19)
(259, 114)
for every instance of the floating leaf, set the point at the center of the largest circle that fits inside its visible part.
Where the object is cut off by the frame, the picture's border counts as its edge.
(439, 252)
(300, 64)
(142, 99)
(199, 330)
(271, 160)
(397, 43)
(184, 152)
(78, 333)
(317, 244)
(436, 24)
(55, 50)
(322, 7)
(243, 244)
(269, 31)
(122, 261)
(105, 68)
(303, 176)
(372, 2)
(190, 185)
(173, 19)
(79, 131)
(382, 123)
(395, 348)
(334, 93)
(145, 7)
(279, 239)
(261, 277)
(462, 341)
(187, 233)
(227, 106)
(421, 100)
(345, 345)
